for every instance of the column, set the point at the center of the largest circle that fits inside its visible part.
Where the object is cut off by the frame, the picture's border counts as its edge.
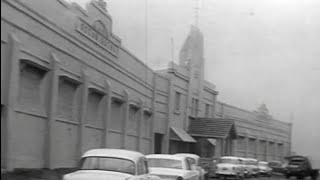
(53, 94)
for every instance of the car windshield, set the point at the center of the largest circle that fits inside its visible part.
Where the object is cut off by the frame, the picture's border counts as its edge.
(108, 164)
(229, 161)
(250, 162)
(264, 164)
(274, 164)
(164, 163)
(296, 161)
(193, 161)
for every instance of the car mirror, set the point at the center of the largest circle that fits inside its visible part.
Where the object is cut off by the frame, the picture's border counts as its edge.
(193, 167)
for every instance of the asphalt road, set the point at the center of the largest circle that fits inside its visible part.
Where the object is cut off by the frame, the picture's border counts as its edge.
(273, 178)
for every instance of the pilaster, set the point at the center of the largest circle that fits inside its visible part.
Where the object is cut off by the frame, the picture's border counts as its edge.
(140, 119)
(153, 114)
(247, 144)
(107, 89)
(126, 118)
(83, 111)
(53, 100)
(12, 81)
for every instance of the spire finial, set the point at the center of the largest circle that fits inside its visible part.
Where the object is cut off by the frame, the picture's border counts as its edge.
(196, 12)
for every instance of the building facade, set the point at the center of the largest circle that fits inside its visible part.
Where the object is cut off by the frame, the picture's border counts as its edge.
(259, 134)
(68, 85)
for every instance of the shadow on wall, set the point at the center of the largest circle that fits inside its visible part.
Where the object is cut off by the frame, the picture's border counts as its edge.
(40, 174)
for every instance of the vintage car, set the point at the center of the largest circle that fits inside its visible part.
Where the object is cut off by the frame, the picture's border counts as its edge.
(171, 167)
(230, 167)
(277, 167)
(300, 167)
(115, 164)
(251, 167)
(264, 168)
(195, 164)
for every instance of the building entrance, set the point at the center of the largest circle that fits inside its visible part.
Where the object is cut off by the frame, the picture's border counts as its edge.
(158, 138)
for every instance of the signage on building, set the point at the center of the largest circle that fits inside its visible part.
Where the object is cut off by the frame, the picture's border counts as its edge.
(94, 35)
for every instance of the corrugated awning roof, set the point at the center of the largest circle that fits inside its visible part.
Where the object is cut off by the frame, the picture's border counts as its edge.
(212, 128)
(181, 135)
(212, 141)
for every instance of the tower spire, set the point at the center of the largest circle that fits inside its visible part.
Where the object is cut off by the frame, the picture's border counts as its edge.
(196, 12)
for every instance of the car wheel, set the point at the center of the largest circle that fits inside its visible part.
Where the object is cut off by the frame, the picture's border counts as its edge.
(287, 176)
(300, 177)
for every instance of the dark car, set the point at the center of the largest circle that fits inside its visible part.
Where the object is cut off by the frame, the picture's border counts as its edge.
(276, 166)
(300, 167)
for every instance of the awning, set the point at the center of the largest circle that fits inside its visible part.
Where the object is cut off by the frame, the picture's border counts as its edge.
(212, 128)
(181, 135)
(212, 141)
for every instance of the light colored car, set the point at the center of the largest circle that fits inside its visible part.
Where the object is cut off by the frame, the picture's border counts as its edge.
(115, 164)
(264, 168)
(230, 166)
(171, 167)
(195, 164)
(251, 167)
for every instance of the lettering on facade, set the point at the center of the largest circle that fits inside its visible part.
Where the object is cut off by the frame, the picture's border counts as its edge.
(92, 34)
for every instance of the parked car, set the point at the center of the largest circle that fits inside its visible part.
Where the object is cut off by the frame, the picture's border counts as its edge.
(276, 166)
(115, 164)
(300, 167)
(230, 166)
(264, 169)
(172, 167)
(251, 167)
(195, 164)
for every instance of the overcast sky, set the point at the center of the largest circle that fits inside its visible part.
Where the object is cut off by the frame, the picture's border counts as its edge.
(256, 51)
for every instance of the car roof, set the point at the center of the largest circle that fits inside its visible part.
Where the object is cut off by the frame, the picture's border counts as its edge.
(188, 155)
(115, 153)
(263, 162)
(165, 156)
(250, 159)
(296, 157)
(230, 157)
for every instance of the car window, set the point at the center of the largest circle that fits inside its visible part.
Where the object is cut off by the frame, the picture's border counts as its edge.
(108, 164)
(164, 163)
(229, 161)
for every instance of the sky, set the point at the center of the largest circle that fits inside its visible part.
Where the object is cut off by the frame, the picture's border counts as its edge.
(256, 51)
